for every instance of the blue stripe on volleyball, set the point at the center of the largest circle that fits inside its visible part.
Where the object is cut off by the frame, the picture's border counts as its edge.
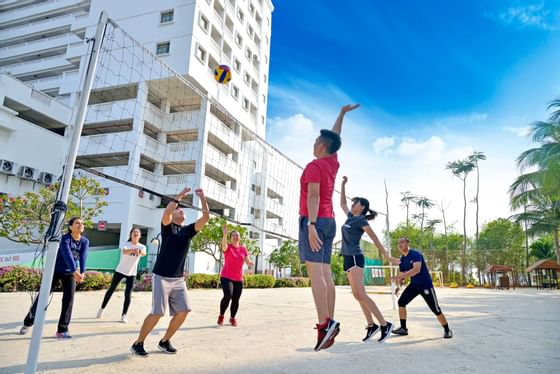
(223, 76)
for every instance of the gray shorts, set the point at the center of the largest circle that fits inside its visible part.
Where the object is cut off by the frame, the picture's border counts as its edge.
(326, 228)
(172, 291)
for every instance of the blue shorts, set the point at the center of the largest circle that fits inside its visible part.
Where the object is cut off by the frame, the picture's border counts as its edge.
(326, 228)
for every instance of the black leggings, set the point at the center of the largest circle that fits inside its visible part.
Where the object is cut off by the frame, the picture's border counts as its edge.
(117, 277)
(429, 295)
(68, 290)
(232, 291)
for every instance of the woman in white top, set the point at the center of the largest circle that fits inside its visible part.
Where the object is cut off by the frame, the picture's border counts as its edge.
(130, 255)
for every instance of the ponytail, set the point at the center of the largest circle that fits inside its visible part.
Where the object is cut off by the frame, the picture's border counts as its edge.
(370, 214)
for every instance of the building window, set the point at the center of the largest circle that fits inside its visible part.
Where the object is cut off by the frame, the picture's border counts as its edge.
(201, 54)
(238, 39)
(251, 8)
(245, 103)
(267, 21)
(237, 65)
(264, 78)
(264, 98)
(162, 48)
(166, 17)
(203, 22)
(240, 15)
(262, 120)
(266, 59)
(267, 40)
(248, 53)
(250, 31)
(235, 92)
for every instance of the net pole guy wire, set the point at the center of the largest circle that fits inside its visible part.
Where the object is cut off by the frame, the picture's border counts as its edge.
(35, 345)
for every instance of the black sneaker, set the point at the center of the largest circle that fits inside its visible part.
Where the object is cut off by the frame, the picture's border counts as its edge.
(448, 334)
(401, 331)
(138, 349)
(166, 347)
(386, 332)
(370, 331)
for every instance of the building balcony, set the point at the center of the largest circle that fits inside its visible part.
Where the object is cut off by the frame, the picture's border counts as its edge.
(36, 28)
(223, 132)
(108, 143)
(219, 192)
(76, 49)
(44, 65)
(42, 9)
(46, 84)
(112, 111)
(179, 120)
(220, 161)
(275, 207)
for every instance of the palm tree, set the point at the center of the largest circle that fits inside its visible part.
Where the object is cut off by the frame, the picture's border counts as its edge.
(443, 209)
(406, 199)
(539, 190)
(461, 169)
(543, 248)
(424, 203)
(475, 157)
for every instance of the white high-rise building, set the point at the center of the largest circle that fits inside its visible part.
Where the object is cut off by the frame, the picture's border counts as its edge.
(43, 44)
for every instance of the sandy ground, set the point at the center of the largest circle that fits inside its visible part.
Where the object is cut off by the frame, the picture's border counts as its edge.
(495, 332)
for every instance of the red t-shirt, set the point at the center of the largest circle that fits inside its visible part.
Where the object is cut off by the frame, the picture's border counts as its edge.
(233, 262)
(322, 171)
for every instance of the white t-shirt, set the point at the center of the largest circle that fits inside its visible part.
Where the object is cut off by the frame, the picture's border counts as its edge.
(129, 263)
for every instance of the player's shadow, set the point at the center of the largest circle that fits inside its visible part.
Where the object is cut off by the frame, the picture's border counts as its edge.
(70, 364)
(399, 342)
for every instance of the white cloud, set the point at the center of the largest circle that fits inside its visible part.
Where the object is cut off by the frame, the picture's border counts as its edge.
(535, 15)
(293, 136)
(521, 131)
(383, 144)
(428, 150)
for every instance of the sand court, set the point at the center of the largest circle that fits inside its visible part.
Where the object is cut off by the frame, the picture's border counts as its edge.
(494, 331)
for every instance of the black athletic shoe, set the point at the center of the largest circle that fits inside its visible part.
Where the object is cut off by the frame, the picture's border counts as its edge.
(386, 332)
(166, 347)
(370, 331)
(448, 334)
(138, 349)
(400, 331)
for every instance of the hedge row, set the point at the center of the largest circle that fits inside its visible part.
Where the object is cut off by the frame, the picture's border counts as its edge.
(19, 278)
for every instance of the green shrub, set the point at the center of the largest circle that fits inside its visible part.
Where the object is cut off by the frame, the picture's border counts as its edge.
(94, 280)
(203, 280)
(19, 278)
(259, 281)
(292, 282)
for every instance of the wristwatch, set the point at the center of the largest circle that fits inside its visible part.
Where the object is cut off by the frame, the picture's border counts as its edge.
(309, 223)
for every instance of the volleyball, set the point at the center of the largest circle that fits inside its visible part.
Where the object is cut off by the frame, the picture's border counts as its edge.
(222, 74)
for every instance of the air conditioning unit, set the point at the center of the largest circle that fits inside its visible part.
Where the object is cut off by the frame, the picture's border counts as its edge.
(7, 167)
(26, 172)
(46, 178)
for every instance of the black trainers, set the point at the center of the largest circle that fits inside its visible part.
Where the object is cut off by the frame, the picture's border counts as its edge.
(370, 331)
(400, 331)
(386, 331)
(448, 334)
(166, 347)
(138, 349)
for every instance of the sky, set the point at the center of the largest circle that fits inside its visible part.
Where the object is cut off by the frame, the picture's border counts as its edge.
(436, 80)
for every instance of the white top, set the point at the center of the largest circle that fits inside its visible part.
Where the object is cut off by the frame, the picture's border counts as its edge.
(129, 263)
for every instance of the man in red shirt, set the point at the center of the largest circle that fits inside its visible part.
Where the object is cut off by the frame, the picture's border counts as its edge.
(317, 227)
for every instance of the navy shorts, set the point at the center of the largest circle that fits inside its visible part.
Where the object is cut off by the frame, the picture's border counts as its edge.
(429, 295)
(326, 229)
(351, 261)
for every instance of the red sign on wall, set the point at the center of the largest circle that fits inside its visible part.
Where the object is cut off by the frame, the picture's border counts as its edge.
(102, 226)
